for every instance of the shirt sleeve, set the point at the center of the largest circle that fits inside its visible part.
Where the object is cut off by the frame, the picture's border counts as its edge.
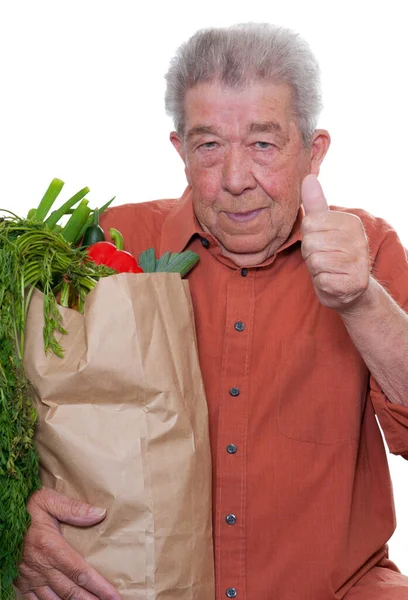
(390, 269)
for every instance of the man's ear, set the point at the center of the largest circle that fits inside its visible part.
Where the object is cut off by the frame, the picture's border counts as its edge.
(178, 144)
(319, 147)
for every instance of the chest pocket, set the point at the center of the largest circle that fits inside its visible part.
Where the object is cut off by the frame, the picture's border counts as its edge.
(322, 390)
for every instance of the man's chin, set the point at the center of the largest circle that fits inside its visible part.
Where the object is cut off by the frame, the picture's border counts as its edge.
(244, 243)
(243, 254)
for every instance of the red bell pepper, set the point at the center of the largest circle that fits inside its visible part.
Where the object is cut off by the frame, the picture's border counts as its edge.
(106, 253)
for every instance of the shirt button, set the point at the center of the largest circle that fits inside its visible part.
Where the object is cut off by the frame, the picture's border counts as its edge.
(205, 242)
(234, 392)
(244, 272)
(239, 326)
(231, 519)
(231, 448)
(231, 593)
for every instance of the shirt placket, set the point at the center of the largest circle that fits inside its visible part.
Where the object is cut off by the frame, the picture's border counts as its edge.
(232, 436)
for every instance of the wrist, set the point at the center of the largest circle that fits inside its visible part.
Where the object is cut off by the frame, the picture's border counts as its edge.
(368, 301)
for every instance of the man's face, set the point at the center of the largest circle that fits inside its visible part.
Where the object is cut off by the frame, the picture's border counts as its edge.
(245, 161)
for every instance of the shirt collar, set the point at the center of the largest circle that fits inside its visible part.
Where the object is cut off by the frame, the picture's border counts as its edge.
(181, 225)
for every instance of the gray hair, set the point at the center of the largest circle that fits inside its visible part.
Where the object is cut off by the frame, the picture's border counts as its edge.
(239, 55)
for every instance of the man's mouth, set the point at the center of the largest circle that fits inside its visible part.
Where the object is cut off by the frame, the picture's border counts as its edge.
(243, 217)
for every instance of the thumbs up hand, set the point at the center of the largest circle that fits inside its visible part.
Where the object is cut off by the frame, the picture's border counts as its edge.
(335, 249)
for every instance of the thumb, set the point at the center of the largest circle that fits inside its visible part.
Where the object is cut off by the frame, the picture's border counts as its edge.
(68, 510)
(312, 195)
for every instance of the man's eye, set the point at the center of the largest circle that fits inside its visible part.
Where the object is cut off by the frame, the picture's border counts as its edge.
(208, 145)
(263, 145)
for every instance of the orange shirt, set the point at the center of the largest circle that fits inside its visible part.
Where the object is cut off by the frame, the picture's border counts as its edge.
(302, 497)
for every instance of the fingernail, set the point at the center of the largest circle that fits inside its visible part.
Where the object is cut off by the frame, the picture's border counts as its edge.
(96, 511)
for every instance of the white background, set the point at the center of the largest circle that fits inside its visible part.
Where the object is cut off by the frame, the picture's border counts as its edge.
(81, 98)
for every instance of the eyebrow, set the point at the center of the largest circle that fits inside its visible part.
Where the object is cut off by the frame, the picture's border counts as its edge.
(200, 130)
(263, 127)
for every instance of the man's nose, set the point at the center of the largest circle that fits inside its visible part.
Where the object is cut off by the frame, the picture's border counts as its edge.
(237, 174)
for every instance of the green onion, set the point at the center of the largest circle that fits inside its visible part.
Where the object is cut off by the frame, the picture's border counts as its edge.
(72, 230)
(105, 206)
(64, 299)
(48, 199)
(64, 209)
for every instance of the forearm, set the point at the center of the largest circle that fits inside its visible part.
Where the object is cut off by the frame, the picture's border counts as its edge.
(379, 330)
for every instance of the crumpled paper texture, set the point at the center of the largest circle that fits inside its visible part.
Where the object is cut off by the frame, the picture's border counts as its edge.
(123, 424)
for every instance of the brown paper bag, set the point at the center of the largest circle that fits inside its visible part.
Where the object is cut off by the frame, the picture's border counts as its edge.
(123, 424)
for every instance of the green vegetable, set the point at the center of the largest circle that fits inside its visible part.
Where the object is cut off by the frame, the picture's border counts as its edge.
(181, 262)
(18, 456)
(91, 217)
(65, 208)
(72, 230)
(48, 199)
(163, 262)
(174, 262)
(117, 238)
(94, 233)
(147, 261)
(105, 206)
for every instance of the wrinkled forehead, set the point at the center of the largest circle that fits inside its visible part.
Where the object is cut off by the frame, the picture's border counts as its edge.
(258, 107)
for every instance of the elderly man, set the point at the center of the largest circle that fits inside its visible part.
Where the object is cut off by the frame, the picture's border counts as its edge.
(302, 337)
